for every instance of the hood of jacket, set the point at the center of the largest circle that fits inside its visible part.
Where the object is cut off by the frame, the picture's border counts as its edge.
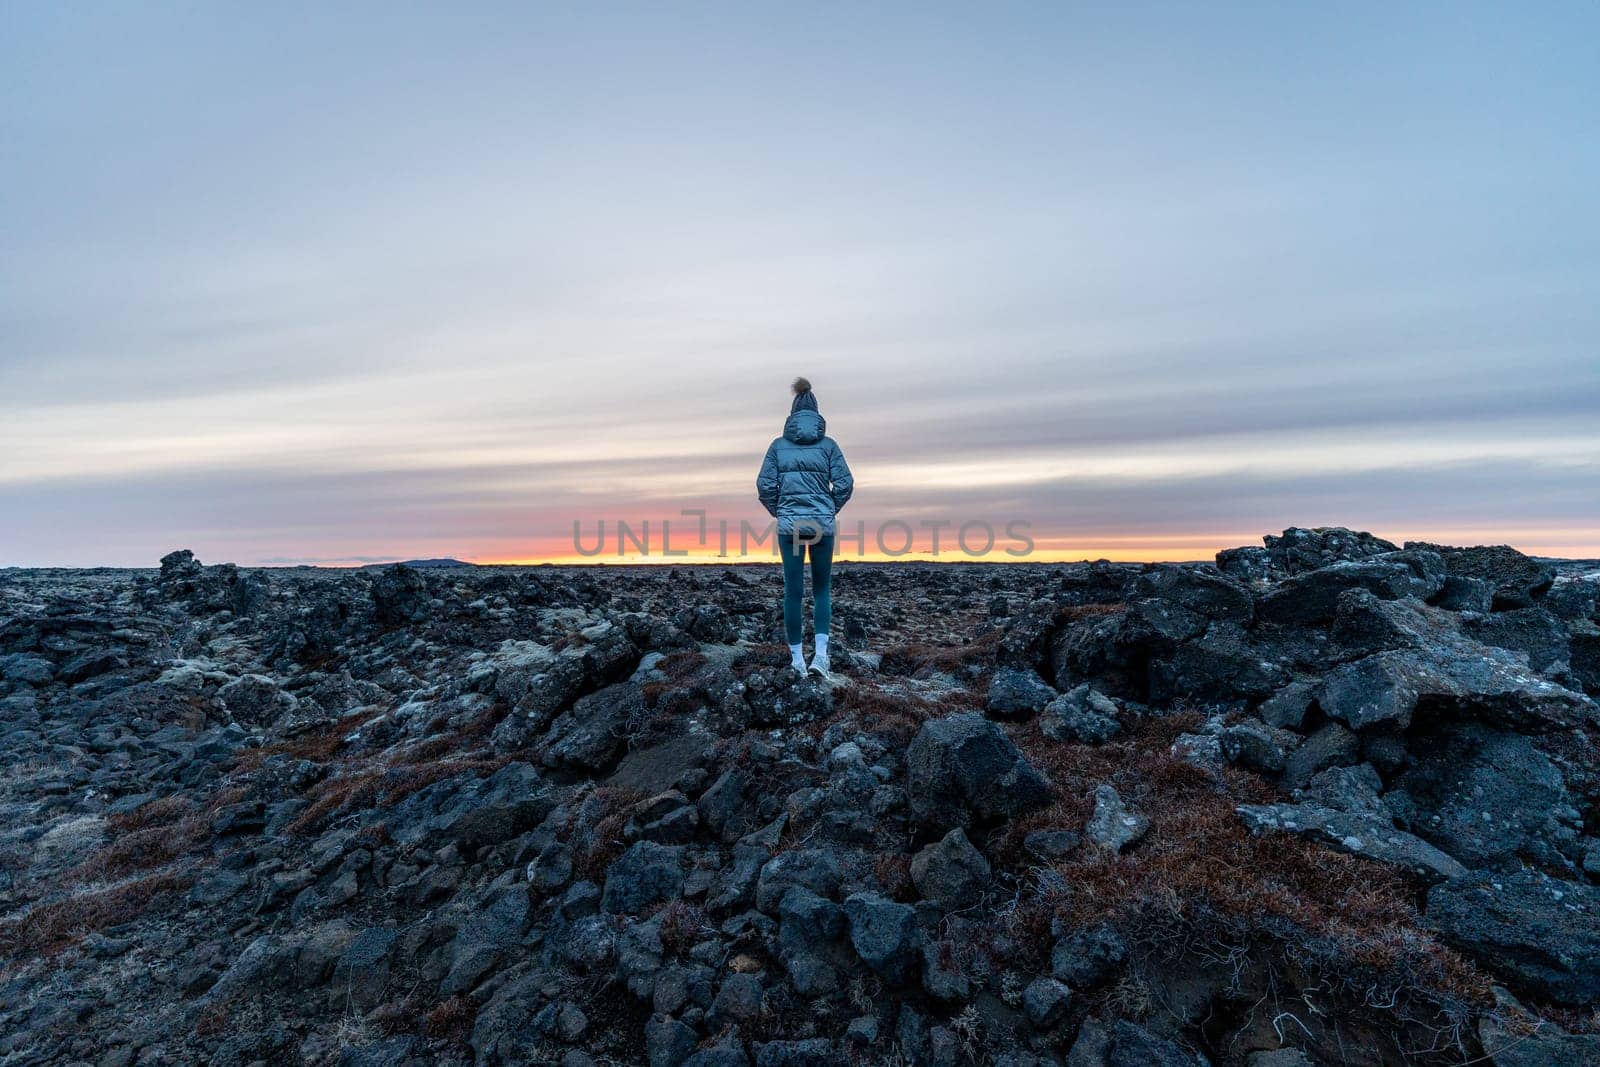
(805, 427)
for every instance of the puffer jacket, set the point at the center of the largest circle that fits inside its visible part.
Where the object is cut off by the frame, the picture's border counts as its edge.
(804, 476)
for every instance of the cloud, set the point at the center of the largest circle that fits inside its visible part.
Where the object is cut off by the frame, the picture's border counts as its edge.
(417, 309)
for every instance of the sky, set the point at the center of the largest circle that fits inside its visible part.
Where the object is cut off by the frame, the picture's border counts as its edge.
(336, 283)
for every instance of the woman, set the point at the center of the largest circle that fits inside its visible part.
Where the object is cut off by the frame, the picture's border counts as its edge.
(803, 483)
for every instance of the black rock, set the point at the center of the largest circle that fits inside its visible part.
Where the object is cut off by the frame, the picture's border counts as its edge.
(399, 595)
(590, 735)
(1256, 745)
(1209, 595)
(1518, 580)
(1134, 1046)
(1017, 694)
(738, 1001)
(963, 766)
(950, 872)
(1512, 1036)
(1081, 714)
(814, 869)
(1456, 681)
(646, 874)
(1312, 597)
(1540, 935)
(1221, 665)
(808, 1052)
(1297, 549)
(885, 935)
(1535, 632)
(1372, 836)
(1089, 957)
(1488, 798)
(1046, 1002)
(668, 1042)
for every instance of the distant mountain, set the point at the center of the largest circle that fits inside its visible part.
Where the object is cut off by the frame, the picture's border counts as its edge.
(422, 564)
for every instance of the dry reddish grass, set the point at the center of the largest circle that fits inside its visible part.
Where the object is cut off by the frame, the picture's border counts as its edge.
(401, 1016)
(682, 664)
(893, 871)
(875, 709)
(153, 834)
(925, 657)
(159, 812)
(1078, 612)
(212, 1021)
(382, 787)
(1199, 864)
(318, 746)
(590, 863)
(682, 926)
(452, 1020)
(893, 716)
(142, 849)
(49, 928)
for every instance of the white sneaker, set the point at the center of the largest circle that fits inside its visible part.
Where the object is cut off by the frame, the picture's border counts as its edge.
(819, 664)
(798, 663)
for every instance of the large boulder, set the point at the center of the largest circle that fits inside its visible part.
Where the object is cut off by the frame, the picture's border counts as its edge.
(590, 735)
(1204, 592)
(1312, 597)
(962, 766)
(1512, 1036)
(1120, 644)
(180, 566)
(1575, 599)
(1585, 662)
(1298, 549)
(784, 698)
(1130, 1045)
(814, 869)
(399, 595)
(1540, 935)
(1364, 624)
(486, 812)
(1487, 797)
(1517, 579)
(492, 927)
(810, 929)
(1222, 665)
(1536, 633)
(1247, 563)
(1253, 744)
(1459, 680)
(27, 667)
(1329, 745)
(362, 973)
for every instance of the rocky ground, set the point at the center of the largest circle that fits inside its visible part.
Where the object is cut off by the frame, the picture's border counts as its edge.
(1327, 801)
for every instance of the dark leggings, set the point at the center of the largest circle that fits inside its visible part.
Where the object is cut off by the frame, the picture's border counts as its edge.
(793, 550)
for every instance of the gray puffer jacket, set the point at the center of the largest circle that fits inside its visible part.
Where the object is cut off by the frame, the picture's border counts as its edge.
(804, 476)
